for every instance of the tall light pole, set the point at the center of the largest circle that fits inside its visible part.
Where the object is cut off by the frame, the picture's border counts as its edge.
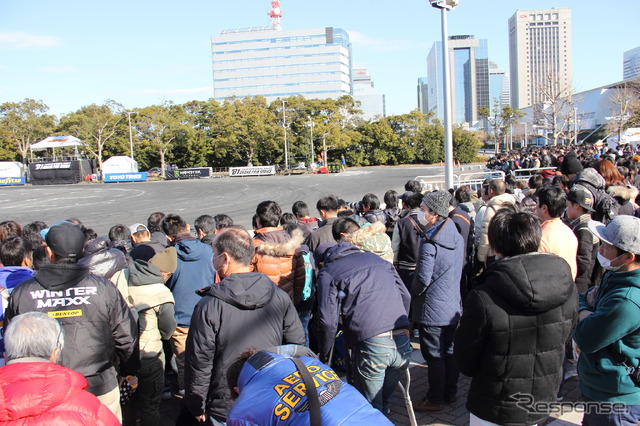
(575, 126)
(284, 128)
(445, 6)
(526, 142)
(311, 124)
(130, 134)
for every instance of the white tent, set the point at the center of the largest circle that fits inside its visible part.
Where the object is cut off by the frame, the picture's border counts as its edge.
(53, 142)
(11, 169)
(629, 136)
(119, 164)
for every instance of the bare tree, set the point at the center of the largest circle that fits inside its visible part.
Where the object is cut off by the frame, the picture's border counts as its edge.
(555, 109)
(625, 99)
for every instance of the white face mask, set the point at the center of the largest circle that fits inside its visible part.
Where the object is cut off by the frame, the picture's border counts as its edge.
(606, 263)
(421, 219)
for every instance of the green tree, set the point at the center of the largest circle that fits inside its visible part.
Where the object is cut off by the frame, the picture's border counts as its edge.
(465, 145)
(509, 116)
(24, 123)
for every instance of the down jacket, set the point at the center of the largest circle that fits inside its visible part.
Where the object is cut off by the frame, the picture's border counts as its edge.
(512, 335)
(33, 391)
(279, 256)
(484, 250)
(101, 259)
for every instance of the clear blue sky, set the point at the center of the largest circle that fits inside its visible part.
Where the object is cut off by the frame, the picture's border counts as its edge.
(73, 53)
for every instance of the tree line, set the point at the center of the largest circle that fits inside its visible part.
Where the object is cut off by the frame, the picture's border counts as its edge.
(237, 132)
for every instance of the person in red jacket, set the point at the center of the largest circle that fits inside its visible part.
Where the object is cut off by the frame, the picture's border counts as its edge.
(34, 389)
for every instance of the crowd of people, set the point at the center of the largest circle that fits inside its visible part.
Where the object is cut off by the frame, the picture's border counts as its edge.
(519, 285)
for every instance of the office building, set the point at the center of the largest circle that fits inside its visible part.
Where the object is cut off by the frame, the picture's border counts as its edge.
(469, 78)
(265, 61)
(372, 104)
(498, 87)
(631, 64)
(423, 95)
(539, 52)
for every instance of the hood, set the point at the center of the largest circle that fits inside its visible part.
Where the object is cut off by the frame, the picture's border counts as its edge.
(11, 276)
(102, 260)
(144, 273)
(627, 193)
(444, 234)
(501, 200)
(33, 388)
(531, 282)
(360, 236)
(60, 277)
(192, 250)
(339, 251)
(273, 243)
(95, 246)
(249, 290)
(592, 177)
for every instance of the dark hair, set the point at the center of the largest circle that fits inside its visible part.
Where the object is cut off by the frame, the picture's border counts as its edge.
(222, 221)
(462, 194)
(414, 200)
(269, 213)
(391, 199)
(172, 225)
(8, 229)
(32, 232)
(254, 221)
(371, 201)
(554, 198)
(154, 222)
(498, 186)
(513, 231)
(89, 234)
(412, 186)
(234, 370)
(288, 218)
(300, 209)
(14, 250)
(535, 181)
(236, 242)
(328, 203)
(119, 233)
(205, 223)
(343, 225)
(40, 257)
(560, 180)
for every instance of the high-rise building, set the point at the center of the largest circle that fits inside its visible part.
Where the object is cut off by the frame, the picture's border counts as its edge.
(423, 95)
(498, 87)
(372, 103)
(631, 63)
(469, 78)
(265, 61)
(539, 52)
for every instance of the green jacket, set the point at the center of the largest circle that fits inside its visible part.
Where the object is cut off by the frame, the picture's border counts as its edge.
(615, 320)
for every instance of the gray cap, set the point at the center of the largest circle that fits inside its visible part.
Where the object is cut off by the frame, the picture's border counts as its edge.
(623, 232)
(438, 202)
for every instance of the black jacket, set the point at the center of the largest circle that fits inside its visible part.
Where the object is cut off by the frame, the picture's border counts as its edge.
(244, 311)
(512, 335)
(101, 259)
(97, 324)
(145, 250)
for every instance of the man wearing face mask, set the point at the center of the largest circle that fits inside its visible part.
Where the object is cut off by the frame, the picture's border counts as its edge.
(608, 333)
(436, 298)
(245, 310)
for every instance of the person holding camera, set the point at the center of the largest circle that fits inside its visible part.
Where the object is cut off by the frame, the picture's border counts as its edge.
(608, 331)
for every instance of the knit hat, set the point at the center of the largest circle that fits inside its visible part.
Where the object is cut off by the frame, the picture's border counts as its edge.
(438, 202)
(66, 240)
(582, 196)
(166, 260)
(623, 232)
(571, 165)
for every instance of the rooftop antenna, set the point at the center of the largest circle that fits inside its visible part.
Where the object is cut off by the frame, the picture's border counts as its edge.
(275, 14)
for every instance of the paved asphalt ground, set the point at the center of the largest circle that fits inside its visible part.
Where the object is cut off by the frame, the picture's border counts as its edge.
(101, 206)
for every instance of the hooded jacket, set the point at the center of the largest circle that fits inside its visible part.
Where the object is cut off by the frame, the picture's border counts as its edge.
(101, 259)
(244, 311)
(484, 250)
(512, 335)
(279, 256)
(436, 286)
(33, 391)
(616, 322)
(376, 300)
(97, 323)
(625, 196)
(154, 303)
(10, 277)
(372, 238)
(195, 271)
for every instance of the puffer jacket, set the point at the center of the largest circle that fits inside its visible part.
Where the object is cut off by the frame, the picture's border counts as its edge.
(512, 335)
(279, 256)
(375, 216)
(484, 250)
(33, 391)
(626, 198)
(436, 287)
(372, 238)
(101, 259)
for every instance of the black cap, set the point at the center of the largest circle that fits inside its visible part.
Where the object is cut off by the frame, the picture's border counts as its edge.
(66, 240)
(582, 196)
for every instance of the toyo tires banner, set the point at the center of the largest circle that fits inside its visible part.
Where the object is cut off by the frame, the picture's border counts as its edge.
(252, 171)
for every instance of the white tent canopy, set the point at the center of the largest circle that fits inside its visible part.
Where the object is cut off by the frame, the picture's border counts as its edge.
(119, 164)
(56, 142)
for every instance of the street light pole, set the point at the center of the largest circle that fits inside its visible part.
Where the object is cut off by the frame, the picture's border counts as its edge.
(526, 142)
(311, 125)
(445, 6)
(284, 128)
(575, 125)
(130, 134)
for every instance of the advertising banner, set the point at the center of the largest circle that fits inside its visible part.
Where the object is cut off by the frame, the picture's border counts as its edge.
(7, 181)
(191, 173)
(125, 177)
(252, 171)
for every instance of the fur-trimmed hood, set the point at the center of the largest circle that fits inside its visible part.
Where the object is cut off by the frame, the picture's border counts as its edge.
(628, 193)
(359, 237)
(274, 242)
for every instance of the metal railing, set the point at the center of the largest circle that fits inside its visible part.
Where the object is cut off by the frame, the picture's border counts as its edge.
(472, 180)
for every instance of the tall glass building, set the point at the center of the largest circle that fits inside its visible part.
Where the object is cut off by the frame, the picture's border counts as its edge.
(631, 63)
(314, 63)
(469, 78)
(498, 87)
